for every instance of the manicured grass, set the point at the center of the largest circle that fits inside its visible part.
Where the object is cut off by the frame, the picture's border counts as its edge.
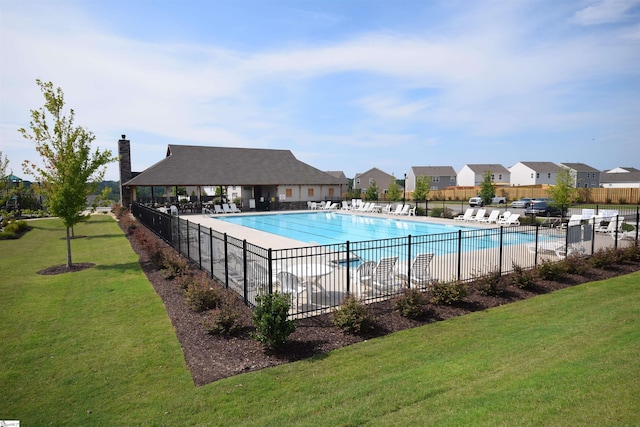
(96, 348)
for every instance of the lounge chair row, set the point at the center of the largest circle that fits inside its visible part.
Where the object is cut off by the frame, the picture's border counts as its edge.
(507, 218)
(358, 206)
(226, 208)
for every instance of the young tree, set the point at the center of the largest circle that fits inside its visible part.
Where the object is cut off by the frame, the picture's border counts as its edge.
(423, 187)
(393, 192)
(4, 179)
(372, 192)
(564, 192)
(487, 189)
(71, 171)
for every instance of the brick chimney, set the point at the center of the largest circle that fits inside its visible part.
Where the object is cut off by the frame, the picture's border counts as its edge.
(124, 152)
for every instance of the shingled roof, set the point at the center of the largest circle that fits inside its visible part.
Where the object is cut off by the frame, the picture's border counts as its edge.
(200, 165)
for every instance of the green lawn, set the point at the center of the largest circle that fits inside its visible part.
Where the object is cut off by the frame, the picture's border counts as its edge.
(96, 348)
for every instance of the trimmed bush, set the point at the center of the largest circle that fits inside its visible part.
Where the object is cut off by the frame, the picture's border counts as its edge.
(523, 278)
(448, 292)
(549, 270)
(270, 318)
(491, 284)
(353, 316)
(411, 304)
(201, 296)
(574, 264)
(226, 319)
(173, 264)
(604, 258)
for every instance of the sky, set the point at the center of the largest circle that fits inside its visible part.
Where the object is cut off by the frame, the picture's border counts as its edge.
(344, 84)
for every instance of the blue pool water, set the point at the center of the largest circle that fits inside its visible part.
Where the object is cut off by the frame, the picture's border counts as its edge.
(331, 227)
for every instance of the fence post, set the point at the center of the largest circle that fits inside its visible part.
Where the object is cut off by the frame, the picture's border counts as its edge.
(593, 236)
(348, 268)
(211, 250)
(199, 248)
(226, 261)
(459, 253)
(188, 241)
(245, 285)
(537, 244)
(501, 250)
(270, 271)
(409, 261)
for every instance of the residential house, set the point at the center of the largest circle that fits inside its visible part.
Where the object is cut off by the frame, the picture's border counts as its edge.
(342, 178)
(473, 175)
(362, 181)
(262, 175)
(533, 173)
(440, 176)
(621, 177)
(585, 176)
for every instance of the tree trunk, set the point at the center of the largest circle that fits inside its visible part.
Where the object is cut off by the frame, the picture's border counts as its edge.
(68, 249)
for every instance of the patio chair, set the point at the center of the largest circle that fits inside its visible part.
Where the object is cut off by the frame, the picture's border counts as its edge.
(174, 210)
(513, 219)
(234, 208)
(479, 215)
(504, 217)
(468, 214)
(383, 279)
(576, 219)
(611, 226)
(492, 218)
(226, 208)
(398, 210)
(291, 284)
(363, 276)
(420, 270)
(218, 209)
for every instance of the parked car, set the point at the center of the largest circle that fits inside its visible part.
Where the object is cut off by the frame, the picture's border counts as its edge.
(523, 203)
(542, 207)
(477, 201)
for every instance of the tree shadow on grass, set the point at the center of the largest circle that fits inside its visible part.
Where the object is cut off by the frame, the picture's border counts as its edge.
(62, 269)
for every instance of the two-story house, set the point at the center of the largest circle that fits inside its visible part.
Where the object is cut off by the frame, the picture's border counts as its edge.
(473, 175)
(440, 177)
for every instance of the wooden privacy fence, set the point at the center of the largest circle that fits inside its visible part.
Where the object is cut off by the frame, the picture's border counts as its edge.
(586, 195)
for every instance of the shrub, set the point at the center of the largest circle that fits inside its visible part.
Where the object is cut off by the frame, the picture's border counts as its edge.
(523, 278)
(270, 318)
(549, 270)
(631, 253)
(448, 292)
(201, 296)
(604, 258)
(491, 284)
(411, 304)
(173, 264)
(574, 264)
(226, 319)
(353, 316)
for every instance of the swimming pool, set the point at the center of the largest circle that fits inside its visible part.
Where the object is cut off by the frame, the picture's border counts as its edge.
(331, 227)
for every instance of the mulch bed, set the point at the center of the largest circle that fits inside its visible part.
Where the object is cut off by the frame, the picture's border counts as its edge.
(210, 357)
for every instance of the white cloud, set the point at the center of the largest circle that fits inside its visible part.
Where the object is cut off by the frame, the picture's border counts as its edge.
(606, 12)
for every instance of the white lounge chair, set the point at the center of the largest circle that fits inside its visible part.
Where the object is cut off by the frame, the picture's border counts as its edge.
(611, 226)
(479, 215)
(513, 219)
(384, 278)
(226, 208)
(174, 210)
(504, 217)
(576, 219)
(404, 211)
(234, 208)
(492, 218)
(218, 209)
(420, 270)
(557, 248)
(468, 214)
(398, 210)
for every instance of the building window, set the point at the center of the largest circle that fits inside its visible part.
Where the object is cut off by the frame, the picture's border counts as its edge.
(500, 177)
(537, 174)
(435, 178)
(549, 175)
(289, 193)
(357, 181)
(310, 192)
(531, 174)
(331, 191)
(370, 181)
(452, 178)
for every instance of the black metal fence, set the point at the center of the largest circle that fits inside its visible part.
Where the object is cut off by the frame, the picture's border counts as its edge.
(318, 278)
